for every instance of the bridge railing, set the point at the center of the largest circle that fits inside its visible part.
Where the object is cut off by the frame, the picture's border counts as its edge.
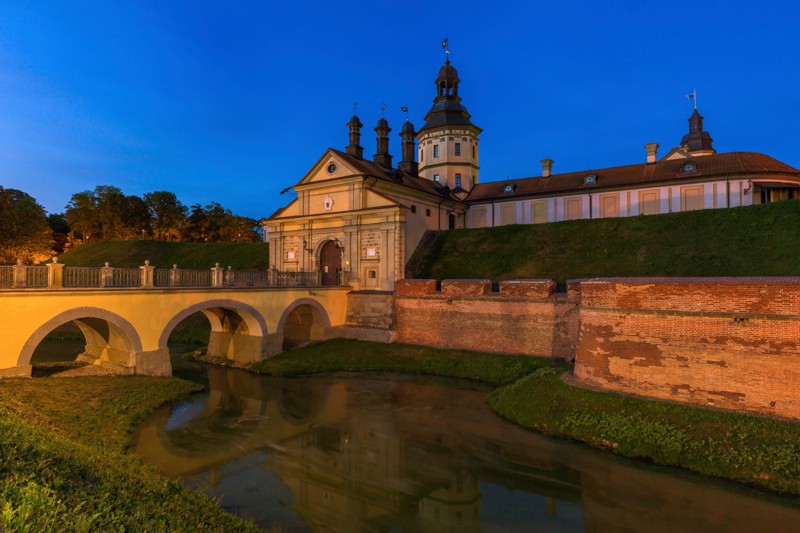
(56, 275)
(75, 277)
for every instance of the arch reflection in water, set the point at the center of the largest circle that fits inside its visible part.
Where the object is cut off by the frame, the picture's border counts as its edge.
(372, 455)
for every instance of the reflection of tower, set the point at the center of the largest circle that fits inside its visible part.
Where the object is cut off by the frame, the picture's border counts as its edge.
(456, 508)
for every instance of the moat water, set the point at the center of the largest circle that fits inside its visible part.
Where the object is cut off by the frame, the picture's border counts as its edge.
(351, 454)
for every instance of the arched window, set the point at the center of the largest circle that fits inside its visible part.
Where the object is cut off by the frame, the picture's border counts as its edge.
(413, 209)
(427, 212)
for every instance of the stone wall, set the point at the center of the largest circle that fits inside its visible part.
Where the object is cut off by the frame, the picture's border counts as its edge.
(522, 317)
(724, 342)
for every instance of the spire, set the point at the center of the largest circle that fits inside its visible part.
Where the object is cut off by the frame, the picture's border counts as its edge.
(697, 140)
(355, 136)
(382, 156)
(408, 151)
(447, 107)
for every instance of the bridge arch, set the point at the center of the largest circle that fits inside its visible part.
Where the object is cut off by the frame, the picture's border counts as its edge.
(237, 329)
(251, 320)
(303, 320)
(109, 337)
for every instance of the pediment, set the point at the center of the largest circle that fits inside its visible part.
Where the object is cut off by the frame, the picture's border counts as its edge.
(330, 166)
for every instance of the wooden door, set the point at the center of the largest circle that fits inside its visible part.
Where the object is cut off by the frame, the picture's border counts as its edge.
(330, 263)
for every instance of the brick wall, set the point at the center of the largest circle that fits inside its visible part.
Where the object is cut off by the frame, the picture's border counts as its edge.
(725, 342)
(522, 317)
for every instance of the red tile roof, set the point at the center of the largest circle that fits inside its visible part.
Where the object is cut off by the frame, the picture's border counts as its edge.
(717, 165)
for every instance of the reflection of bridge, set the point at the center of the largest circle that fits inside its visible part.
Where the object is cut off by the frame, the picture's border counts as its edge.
(127, 323)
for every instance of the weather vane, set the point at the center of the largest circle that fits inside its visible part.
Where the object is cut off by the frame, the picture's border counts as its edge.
(355, 107)
(693, 97)
(383, 108)
(404, 109)
(446, 49)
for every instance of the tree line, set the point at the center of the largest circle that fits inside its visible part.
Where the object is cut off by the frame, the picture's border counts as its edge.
(28, 233)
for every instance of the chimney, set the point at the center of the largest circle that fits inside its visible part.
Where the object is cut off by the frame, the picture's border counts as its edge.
(409, 151)
(651, 152)
(547, 167)
(355, 137)
(382, 156)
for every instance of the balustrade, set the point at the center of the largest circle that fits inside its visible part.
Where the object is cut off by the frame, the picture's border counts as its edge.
(56, 276)
(6, 277)
(79, 277)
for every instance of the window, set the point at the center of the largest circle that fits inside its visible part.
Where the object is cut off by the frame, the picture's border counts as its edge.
(539, 212)
(473, 152)
(436, 178)
(572, 208)
(458, 180)
(435, 150)
(591, 179)
(427, 212)
(689, 167)
(458, 148)
(509, 189)
(413, 209)
(422, 155)
(508, 214)
(609, 205)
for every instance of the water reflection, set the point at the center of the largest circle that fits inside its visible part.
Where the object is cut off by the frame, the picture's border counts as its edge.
(341, 454)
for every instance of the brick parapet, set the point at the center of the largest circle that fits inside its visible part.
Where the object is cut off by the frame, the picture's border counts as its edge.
(455, 288)
(414, 287)
(522, 317)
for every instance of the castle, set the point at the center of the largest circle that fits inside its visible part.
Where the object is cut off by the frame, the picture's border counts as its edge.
(357, 221)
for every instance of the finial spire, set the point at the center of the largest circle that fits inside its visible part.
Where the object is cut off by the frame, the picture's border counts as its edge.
(693, 97)
(446, 50)
(355, 107)
(383, 108)
(404, 109)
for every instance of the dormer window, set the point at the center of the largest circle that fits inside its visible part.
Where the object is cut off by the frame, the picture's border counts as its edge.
(509, 188)
(689, 167)
(590, 180)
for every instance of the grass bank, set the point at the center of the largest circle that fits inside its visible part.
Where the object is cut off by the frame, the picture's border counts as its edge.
(161, 254)
(757, 240)
(62, 465)
(757, 451)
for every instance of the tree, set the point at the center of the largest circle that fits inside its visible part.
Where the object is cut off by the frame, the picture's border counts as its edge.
(106, 213)
(24, 232)
(167, 214)
(60, 229)
(83, 216)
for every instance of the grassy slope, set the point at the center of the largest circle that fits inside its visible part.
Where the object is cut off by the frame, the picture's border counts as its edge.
(62, 466)
(194, 255)
(757, 240)
(758, 451)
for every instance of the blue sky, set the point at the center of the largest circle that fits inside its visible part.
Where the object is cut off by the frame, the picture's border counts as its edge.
(234, 101)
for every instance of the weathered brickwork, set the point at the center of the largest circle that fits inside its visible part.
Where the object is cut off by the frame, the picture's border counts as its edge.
(716, 342)
(524, 317)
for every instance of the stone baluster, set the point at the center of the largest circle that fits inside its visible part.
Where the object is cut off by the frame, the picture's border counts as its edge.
(174, 277)
(148, 273)
(55, 274)
(107, 275)
(217, 275)
(20, 274)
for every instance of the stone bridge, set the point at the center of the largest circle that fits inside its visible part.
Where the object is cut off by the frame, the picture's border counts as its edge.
(127, 316)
